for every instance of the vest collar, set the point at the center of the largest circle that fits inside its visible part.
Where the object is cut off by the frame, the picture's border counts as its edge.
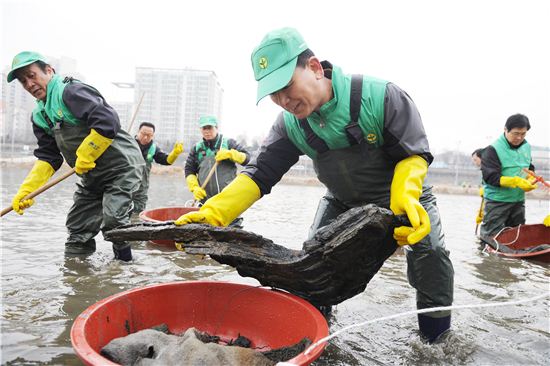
(338, 85)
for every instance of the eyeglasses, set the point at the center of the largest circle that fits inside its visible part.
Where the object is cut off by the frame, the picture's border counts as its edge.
(518, 134)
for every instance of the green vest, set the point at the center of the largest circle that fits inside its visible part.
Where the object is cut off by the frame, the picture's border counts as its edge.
(333, 117)
(512, 161)
(151, 153)
(203, 151)
(46, 115)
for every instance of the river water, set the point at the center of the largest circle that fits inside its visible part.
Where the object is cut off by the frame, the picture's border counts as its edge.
(42, 292)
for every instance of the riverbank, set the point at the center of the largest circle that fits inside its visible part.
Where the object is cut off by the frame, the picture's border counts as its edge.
(541, 194)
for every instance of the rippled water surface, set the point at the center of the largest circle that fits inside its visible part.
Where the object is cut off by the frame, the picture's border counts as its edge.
(42, 292)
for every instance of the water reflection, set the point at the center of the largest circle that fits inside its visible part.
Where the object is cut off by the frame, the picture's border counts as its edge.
(43, 292)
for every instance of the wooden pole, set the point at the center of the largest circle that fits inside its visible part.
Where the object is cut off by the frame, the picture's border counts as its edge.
(41, 189)
(135, 113)
(210, 173)
(480, 209)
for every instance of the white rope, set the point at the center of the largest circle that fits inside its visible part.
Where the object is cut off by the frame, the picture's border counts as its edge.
(510, 243)
(427, 310)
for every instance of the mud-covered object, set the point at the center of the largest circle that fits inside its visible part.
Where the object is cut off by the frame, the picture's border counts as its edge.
(151, 347)
(334, 265)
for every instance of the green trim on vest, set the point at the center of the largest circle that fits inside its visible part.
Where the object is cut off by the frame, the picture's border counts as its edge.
(151, 152)
(330, 122)
(54, 107)
(201, 147)
(512, 161)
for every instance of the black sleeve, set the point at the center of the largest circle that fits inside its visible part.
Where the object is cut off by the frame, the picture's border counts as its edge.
(233, 144)
(277, 155)
(192, 163)
(404, 133)
(160, 157)
(47, 149)
(86, 104)
(491, 168)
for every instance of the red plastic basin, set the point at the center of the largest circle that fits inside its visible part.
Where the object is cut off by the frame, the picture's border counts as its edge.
(164, 214)
(269, 318)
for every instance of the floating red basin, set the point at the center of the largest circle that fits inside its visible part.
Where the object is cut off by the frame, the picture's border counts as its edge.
(269, 318)
(164, 214)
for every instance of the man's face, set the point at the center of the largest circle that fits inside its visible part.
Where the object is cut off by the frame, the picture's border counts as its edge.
(145, 135)
(303, 94)
(476, 160)
(34, 80)
(209, 132)
(515, 136)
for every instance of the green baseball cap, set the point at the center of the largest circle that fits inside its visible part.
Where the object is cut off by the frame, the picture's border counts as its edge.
(23, 59)
(274, 60)
(208, 121)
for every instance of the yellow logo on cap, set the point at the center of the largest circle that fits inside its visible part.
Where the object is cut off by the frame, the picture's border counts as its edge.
(371, 138)
(263, 62)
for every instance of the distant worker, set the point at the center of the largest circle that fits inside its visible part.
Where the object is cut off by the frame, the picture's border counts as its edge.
(72, 120)
(150, 152)
(476, 159)
(213, 147)
(502, 168)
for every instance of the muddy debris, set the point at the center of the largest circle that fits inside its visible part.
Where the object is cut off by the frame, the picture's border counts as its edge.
(335, 265)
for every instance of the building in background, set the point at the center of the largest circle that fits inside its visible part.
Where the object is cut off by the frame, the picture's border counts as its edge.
(174, 99)
(125, 111)
(17, 105)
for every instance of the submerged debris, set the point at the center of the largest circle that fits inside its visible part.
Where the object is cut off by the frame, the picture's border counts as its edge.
(336, 264)
(154, 347)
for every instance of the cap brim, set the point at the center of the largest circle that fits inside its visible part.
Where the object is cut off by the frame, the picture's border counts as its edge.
(11, 77)
(277, 80)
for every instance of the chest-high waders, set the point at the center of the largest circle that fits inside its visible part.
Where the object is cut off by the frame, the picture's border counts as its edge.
(103, 198)
(225, 172)
(361, 174)
(140, 196)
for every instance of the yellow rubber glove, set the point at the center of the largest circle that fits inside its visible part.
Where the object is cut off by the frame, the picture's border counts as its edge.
(89, 151)
(227, 205)
(37, 177)
(194, 187)
(517, 182)
(176, 151)
(234, 155)
(481, 191)
(406, 188)
(546, 221)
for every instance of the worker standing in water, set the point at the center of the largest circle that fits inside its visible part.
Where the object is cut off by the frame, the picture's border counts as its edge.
(368, 145)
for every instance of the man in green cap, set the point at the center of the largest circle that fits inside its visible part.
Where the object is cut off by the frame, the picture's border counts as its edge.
(72, 121)
(213, 147)
(368, 145)
(151, 152)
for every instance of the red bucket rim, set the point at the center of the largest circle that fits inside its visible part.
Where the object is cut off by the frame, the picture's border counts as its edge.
(90, 356)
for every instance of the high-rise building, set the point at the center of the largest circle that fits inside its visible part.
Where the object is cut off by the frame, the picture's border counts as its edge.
(125, 112)
(174, 100)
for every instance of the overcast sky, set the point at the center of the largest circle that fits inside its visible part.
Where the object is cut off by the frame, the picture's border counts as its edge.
(468, 64)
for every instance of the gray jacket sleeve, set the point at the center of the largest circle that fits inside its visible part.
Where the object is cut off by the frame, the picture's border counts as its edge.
(277, 155)
(404, 133)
